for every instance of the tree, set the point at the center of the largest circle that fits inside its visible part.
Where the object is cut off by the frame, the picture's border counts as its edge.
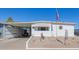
(10, 19)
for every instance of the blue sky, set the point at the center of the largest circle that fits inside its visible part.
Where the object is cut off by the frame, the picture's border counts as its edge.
(36, 14)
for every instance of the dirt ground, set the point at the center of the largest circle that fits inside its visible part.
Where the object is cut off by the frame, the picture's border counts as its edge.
(37, 42)
(13, 44)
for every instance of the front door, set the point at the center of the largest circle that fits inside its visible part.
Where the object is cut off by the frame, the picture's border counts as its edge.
(25, 33)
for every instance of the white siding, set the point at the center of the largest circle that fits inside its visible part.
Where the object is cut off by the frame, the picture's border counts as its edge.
(59, 32)
(38, 33)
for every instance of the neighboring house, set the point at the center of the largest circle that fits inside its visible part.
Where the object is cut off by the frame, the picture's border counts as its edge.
(46, 28)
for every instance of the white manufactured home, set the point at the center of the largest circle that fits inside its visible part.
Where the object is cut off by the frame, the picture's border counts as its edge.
(38, 28)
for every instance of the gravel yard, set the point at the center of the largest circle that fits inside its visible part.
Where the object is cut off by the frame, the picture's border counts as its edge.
(51, 42)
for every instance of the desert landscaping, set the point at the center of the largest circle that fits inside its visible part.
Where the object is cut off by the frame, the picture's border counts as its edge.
(52, 42)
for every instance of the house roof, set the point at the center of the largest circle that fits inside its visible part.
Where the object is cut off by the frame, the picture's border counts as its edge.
(28, 24)
(63, 23)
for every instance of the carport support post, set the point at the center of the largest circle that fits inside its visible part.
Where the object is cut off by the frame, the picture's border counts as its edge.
(4, 31)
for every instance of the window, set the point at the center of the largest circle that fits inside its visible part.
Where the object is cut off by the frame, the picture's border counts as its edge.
(60, 27)
(41, 28)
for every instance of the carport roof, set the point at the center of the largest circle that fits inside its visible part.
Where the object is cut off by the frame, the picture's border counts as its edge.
(20, 24)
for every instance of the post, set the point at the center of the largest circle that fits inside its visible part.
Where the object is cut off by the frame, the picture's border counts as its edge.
(42, 36)
(4, 31)
(56, 31)
(51, 29)
(57, 19)
(66, 37)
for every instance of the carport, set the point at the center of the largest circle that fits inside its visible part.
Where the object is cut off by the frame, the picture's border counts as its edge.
(24, 28)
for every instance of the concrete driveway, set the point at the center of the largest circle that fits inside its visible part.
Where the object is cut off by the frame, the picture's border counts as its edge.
(13, 44)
